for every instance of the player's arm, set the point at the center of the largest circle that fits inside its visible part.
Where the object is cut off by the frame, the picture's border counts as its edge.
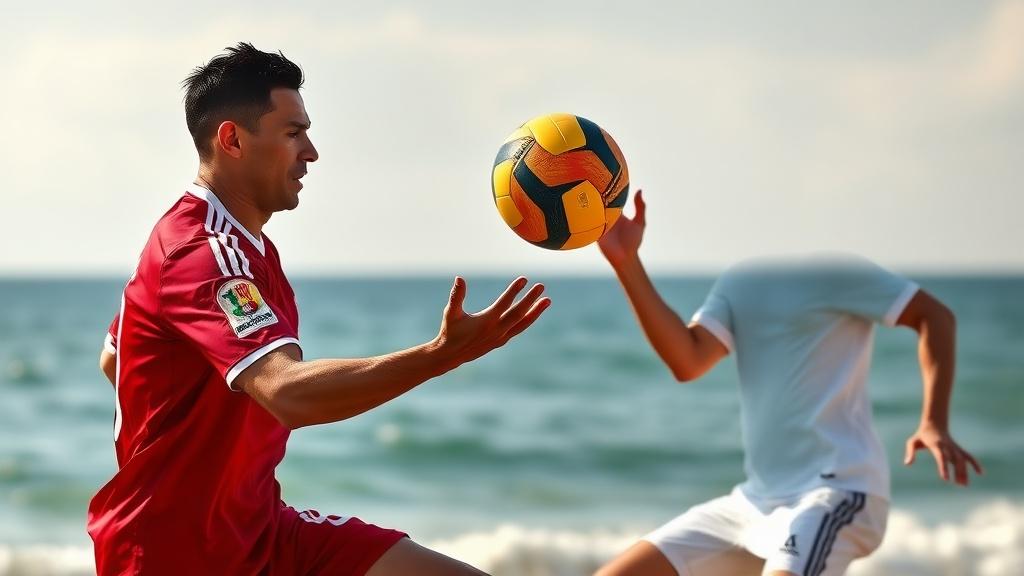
(108, 364)
(688, 351)
(108, 358)
(935, 325)
(301, 393)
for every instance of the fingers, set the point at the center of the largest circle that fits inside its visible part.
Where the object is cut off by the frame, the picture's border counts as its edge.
(956, 462)
(515, 313)
(641, 208)
(507, 297)
(457, 297)
(961, 459)
(911, 452)
(529, 318)
(948, 455)
(974, 463)
(940, 461)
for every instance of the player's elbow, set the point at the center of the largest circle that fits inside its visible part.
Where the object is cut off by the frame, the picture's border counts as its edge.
(939, 319)
(684, 374)
(946, 316)
(296, 404)
(108, 364)
(276, 394)
(927, 314)
(691, 359)
(286, 405)
(293, 420)
(276, 382)
(288, 416)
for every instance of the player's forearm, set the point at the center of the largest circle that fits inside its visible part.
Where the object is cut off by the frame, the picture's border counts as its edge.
(671, 338)
(937, 354)
(330, 390)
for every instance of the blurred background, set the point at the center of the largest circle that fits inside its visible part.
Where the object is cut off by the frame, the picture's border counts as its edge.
(891, 131)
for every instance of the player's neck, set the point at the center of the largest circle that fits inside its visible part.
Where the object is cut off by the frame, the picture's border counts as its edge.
(237, 203)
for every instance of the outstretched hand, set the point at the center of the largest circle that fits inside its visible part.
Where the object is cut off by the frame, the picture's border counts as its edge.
(465, 337)
(945, 450)
(623, 240)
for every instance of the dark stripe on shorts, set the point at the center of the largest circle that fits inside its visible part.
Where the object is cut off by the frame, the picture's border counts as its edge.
(817, 540)
(827, 522)
(859, 501)
(816, 565)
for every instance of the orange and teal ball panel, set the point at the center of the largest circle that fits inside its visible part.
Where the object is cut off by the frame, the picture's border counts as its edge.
(560, 181)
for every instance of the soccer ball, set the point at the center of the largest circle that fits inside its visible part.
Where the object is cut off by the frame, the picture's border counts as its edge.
(560, 181)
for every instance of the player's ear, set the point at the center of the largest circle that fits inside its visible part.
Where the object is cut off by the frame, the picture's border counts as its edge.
(227, 139)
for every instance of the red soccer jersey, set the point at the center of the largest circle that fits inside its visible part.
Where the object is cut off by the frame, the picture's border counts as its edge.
(195, 491)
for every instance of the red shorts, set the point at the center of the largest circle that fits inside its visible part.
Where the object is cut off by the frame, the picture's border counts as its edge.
(311, 543)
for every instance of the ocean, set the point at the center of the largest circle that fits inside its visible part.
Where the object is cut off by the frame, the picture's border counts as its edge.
(546, 457)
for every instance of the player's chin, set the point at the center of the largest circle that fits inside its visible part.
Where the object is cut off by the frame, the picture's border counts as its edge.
(291, 194)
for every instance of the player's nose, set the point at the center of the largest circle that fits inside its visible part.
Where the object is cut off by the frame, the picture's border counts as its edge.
(309, 153)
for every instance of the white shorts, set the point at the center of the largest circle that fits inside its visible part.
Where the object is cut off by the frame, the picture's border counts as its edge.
(817, 533)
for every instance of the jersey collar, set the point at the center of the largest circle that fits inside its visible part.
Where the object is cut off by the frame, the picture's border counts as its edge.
(211, 198)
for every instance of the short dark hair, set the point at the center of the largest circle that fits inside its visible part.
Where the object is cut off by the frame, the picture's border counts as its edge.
(235, 86)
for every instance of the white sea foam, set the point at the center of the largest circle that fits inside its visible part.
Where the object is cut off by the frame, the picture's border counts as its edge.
(514, 550)
(45, 560)
(988, 542)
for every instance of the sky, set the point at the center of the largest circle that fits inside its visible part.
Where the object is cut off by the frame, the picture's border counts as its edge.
(890, 129)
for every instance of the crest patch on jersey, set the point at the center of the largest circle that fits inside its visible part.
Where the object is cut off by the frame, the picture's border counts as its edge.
(246, 310)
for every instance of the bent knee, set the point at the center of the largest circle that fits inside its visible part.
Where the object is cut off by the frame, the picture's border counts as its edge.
(641, 559)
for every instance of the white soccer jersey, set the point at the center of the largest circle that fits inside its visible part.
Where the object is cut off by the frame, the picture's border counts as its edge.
(802, 333)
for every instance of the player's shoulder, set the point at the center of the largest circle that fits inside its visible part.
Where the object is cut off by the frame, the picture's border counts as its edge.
(738, 276)
(785, 278)
(188, 247)
(198, 240)
(181, 226)
(182, 220)
(799, 268)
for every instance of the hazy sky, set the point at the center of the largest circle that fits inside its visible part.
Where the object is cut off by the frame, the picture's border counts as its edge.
(890, 129)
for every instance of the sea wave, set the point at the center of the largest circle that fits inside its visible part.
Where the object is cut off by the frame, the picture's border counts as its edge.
(988, 542)
(46, 560)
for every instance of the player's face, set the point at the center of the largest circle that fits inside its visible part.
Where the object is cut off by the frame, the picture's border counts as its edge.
(277, 154)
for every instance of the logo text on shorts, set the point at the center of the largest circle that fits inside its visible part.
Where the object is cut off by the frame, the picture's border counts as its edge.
(790, 546)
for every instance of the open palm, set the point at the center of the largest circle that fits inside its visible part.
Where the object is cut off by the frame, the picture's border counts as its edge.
(468, 336)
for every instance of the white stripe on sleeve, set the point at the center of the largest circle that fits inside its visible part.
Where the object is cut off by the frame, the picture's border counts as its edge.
(252, 357)
(209, 218)
(108, 343)
(216, 254)
(716, 328)
(241, 255)
(231, 253)
(219, 220)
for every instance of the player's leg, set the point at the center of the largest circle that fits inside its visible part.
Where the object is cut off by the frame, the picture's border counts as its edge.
(702, 541)
(641, 559)
(407, 557)
(824, 532)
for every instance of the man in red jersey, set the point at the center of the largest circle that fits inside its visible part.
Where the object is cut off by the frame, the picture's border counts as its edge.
(208, 374)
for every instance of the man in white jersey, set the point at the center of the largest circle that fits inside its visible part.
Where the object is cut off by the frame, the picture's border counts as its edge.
(817, 490)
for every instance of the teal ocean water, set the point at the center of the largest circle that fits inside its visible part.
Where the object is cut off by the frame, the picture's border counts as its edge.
(546, 457)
